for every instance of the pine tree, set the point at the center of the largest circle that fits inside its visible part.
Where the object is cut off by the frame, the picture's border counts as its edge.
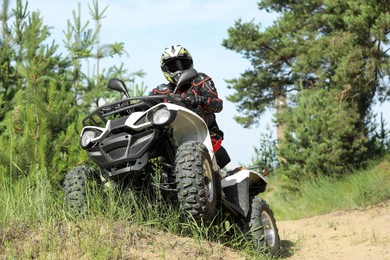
(331, 45)
(46, 95)
(43, 106)
(7, 75)
(321, 136)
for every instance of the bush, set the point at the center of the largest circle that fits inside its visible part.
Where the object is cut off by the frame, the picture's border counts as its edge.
(323, 136)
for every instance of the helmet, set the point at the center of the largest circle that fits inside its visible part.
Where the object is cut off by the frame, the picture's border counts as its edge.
(174, 61)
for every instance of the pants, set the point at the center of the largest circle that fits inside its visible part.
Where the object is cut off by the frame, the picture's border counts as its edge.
(221, 154)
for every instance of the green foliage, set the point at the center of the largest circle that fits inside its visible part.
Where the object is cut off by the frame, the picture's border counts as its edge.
(266, 154)
(320, 137)
(83, 44)
(7, 75)
(26, 136)
(43, 96)
(258, 87)
(379, 137)
(340, 45)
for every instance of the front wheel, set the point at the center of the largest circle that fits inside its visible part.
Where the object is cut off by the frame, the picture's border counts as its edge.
(262, 227)
(196, 181)
(75, 188)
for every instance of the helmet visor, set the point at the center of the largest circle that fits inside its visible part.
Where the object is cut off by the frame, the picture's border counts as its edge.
(178, 64)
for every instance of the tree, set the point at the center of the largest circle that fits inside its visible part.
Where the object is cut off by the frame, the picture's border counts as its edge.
(83, 44)
(269, 79)
(266, 153)
(7, 76)
(313, 44)
(32, 125)
(320, 137)
(44, 93)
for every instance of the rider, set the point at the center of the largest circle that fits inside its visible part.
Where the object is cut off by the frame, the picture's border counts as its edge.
(201, 94)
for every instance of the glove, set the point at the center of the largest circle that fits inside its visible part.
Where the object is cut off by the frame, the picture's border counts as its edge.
(175, 97)
(197, 100)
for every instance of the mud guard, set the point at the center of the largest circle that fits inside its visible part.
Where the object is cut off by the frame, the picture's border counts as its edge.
(236, 189)
(188, 126)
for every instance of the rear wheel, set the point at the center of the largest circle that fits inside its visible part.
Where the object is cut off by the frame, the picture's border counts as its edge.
(196, 181)
(262, 227)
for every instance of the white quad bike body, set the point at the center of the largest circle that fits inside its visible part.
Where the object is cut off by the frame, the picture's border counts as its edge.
(186, 126)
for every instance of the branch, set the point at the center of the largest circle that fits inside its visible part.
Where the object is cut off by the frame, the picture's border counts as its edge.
(276, 53)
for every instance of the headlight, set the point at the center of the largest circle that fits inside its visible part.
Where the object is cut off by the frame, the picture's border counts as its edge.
(161, 116)
(86, 138)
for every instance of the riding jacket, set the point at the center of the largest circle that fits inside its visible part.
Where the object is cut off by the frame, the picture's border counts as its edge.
(202, 85)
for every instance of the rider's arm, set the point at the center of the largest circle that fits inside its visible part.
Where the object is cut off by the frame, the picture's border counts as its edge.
(207, 89)
(162, 89)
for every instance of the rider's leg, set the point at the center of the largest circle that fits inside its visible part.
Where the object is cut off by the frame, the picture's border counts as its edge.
(221, 154)
(222, 157)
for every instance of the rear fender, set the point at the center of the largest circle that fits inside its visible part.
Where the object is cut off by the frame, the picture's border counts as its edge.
(239, 187)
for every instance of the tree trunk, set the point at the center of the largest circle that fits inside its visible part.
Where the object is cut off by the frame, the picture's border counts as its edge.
(281, 105)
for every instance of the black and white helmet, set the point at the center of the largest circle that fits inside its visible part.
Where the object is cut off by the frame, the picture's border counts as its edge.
(174, 61)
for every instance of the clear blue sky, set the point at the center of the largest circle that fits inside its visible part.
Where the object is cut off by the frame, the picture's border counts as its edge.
(146, 27)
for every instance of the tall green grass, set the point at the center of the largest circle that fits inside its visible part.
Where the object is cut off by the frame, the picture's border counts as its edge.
(34, 223)
(357, 189)
(27, 198)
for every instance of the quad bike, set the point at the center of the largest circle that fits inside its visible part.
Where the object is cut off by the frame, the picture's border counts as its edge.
(128, 137)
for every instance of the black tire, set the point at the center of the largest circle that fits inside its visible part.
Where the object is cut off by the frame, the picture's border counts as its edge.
(196, 181)
(75, 188)
(262, 227)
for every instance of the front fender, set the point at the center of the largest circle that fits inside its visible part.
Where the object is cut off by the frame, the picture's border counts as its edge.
(189, 126)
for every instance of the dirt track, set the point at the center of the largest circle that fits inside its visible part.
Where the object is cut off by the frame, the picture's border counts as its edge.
(352, 234)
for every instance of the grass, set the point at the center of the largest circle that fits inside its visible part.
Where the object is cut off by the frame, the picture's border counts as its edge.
(358, 189)
(35, 224)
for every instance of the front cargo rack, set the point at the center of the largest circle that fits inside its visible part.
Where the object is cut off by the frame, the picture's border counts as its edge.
(123, 107)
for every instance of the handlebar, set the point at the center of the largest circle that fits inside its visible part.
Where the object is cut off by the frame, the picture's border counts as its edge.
(128, 106)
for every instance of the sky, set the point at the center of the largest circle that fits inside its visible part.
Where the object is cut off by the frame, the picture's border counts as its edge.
(146, 27)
